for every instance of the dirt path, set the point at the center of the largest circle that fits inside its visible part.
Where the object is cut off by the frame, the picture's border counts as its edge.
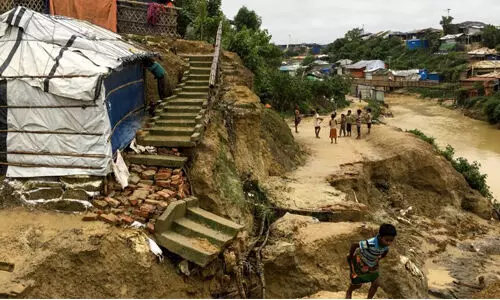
(307, 188)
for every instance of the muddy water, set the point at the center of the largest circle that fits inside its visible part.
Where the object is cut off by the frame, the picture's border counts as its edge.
(472, 139)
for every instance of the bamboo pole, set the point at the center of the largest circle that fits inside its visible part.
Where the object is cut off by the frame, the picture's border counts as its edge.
(51, 132)
(215, 62)
(26, 165)
(55, 154)
(43, 107)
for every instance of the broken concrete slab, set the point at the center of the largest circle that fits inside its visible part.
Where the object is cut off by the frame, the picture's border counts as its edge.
(66, 205)
(77, 194)
(44, 194)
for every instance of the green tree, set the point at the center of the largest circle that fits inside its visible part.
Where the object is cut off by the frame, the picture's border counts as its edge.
(491, 36)
(214, 8)
(308, 60)
(448, 27)
(247, 18)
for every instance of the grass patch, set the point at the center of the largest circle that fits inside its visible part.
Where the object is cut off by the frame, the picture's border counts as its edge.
(470, 171)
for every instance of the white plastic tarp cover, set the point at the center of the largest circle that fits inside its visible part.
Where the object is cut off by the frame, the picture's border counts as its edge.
(70, 123)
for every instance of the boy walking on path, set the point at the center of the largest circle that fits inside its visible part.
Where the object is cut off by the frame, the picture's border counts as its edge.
(317, 123)
(333, 128)
(343, 124)
(358, 124)
(349, 122)
(364, 260)
(369, 119)
(298, 118)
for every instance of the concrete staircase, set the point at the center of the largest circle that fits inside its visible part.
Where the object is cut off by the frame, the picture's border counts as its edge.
(178, 119)
(194, 233)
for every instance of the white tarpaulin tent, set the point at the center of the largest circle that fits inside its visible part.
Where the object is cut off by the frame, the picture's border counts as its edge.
(54, 113)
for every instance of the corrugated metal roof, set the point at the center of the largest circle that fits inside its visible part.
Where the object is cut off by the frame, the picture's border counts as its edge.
(451, 36)
(486, 64)
(482, 51)
(495, 74)
(370, 65)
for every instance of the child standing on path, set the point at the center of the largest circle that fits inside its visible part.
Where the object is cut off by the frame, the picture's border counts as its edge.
(333, 128)
(364, 259)
(298, 118)
(349, 122)
(317, 123)
(358, 124)
(369, 119)
(343, 123)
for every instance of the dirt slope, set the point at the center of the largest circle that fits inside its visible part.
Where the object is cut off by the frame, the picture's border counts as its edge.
(59, 256)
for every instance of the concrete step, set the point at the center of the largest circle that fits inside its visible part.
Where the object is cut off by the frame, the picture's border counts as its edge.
(192, 58)
(172, 131)
(198, 77)
(183, 108)
(204, 71)
(193, 229)
(201, 64)
(166, 141)
(196, 83)
(196, 89)
(200, 215)
(182, 102)
(188, 95)
(197, 250)
(176, 122)
(168, 161)
(178, 116)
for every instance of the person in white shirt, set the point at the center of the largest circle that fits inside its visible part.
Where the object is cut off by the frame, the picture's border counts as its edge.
(317, 123)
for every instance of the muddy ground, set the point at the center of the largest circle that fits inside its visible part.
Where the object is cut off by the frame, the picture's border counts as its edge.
(447, 238)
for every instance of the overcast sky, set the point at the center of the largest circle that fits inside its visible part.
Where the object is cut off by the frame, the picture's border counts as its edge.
(322, 21)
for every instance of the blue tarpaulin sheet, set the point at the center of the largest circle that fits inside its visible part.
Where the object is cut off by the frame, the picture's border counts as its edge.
(124, 95)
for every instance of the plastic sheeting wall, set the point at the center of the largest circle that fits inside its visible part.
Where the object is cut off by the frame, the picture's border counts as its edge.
(124, 101)
(50, 135)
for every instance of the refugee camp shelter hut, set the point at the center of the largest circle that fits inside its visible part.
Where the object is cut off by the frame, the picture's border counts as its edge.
(71, 95)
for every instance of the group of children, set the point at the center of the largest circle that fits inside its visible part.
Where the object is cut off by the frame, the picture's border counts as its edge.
(346, 122)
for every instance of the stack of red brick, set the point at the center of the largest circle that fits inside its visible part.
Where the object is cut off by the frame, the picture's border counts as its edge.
(149, 193)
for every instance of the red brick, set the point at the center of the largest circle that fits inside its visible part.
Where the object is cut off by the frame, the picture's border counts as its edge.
(148, 175)
(163, 204)
(163, 183)
(151, 228)
(100, 204)
(162, 176)
(153, 197)
(112, 202)
(117, 211)
(99, 212)
(141, 194)
(90, 217)
(148, 208)
(123, 200)
(165, 170)
(126, 219)
(143, 183)
(139, 219)
(133, 202)
(150, 168)
(176, 177)
(136, 169)
(109, 218)
(152, 202)
(147, 187)
(141, 213)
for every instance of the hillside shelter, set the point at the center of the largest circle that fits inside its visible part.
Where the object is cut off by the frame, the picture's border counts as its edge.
(71, 94)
